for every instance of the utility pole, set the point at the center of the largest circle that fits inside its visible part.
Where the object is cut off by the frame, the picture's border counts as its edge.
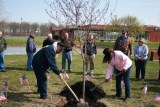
(21, 27)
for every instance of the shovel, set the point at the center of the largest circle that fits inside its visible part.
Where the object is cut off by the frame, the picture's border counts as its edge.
(92, 89)
(81, 102)
(71, 90)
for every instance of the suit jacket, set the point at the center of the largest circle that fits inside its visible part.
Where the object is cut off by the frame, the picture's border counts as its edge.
(45, 58)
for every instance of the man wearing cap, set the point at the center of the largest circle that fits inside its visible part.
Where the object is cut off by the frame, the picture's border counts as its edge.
(124, 43)
(42, 60)
(48, 41)
(3, 46)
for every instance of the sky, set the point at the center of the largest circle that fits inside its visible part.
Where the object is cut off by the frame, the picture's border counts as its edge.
(147, 11)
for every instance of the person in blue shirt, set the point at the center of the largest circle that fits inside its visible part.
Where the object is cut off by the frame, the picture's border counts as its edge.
(141, 58)
(30, 50)
(42, 60)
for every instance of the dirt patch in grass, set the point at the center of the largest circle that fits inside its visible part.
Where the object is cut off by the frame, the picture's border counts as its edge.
(91, 96)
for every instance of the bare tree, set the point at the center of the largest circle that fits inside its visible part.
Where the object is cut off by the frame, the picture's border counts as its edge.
(1, 10)
(3, 25)
(2, 19)
(34, 27)
(78, 12)
(44, 29)
(14, 27)
(25, 27)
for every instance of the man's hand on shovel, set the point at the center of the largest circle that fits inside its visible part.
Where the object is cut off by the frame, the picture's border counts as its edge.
(60, 76)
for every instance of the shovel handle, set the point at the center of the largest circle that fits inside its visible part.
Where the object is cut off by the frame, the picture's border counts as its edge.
(105, 81)
(71, 90)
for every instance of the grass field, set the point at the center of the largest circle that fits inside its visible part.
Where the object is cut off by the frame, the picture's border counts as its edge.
(23, 96)
(21, 41)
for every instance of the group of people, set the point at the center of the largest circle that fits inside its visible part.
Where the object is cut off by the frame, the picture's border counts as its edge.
(118, 59)
(45, 58)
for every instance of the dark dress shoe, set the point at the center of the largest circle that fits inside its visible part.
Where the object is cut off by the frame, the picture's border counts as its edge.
(3, 71)
(45, 98)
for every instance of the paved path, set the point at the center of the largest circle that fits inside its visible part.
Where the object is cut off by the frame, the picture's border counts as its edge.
(22, 51)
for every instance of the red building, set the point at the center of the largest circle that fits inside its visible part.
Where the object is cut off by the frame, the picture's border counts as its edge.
(153, 33)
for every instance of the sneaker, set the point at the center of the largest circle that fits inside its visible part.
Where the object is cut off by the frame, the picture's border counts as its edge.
(91, 73)
(136, 79)
(126, 99)
(69, 71)
(117, 96)
(29, 69)
(66, 75)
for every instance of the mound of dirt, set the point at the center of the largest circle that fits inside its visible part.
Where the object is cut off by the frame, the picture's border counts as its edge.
(91, 96)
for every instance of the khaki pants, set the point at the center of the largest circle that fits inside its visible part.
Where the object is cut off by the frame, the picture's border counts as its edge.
(89, 59)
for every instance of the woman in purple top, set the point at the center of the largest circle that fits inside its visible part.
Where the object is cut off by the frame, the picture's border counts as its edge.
(121, 63)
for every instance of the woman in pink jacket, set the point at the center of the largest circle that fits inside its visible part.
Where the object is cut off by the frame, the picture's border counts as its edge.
(121, 63)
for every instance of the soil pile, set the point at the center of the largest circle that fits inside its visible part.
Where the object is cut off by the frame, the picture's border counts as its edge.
(91, 96)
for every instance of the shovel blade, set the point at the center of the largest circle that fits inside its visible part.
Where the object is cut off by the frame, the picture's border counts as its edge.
(82, 105)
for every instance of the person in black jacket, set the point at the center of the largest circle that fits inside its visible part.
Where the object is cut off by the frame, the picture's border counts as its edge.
(67, 52)
(89, 51)
(48, 41)
(42, 60)
(159, 61)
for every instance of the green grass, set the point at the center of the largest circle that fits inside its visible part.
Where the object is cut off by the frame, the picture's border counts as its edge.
(21, 41)
(151, 45)
(21, 96)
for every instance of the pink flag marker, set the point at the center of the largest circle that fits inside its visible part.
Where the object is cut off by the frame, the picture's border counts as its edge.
(145, 89)
(2, 96)
(4, 86)
(23, 79)
(157, 98)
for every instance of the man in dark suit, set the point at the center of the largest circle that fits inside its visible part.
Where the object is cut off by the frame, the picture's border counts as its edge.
(42, 60)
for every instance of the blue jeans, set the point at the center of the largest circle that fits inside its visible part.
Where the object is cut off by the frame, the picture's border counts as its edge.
(68, 56)
(126, 78)
(141, 67)
(2, 60)
(41, 77)
(29, 60)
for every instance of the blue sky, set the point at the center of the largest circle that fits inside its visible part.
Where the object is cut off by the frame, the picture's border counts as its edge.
(147, 11)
